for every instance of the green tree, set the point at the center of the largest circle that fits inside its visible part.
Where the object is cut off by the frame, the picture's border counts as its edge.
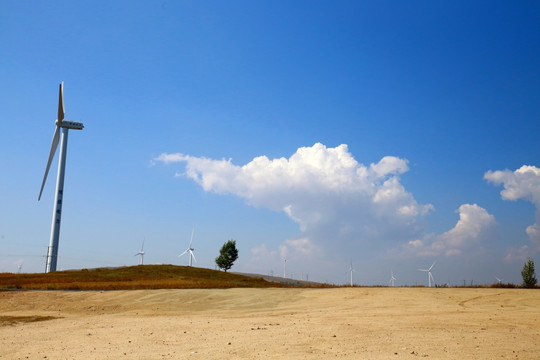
(227, 255)
(529, 277)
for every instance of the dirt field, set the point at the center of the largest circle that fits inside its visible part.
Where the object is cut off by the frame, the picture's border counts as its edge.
(358, 323)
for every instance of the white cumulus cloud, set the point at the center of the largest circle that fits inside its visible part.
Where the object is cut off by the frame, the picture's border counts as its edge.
(325, 190)
(473, 222)
(524, 184)
(475, 225)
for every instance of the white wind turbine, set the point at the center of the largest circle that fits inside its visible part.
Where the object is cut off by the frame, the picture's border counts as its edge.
(65, 125)
(190, 250)
(20, 267)
(351, 270)
(392, 278)
(141, 253)
(430, 276)
(499, 280)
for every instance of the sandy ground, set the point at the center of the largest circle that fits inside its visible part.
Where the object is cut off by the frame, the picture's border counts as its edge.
(357, 323)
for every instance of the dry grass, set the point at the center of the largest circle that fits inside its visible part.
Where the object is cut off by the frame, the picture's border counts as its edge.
(154, 277)
(131, 278)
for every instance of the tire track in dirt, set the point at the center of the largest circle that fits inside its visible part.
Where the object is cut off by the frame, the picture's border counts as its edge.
(464, 302)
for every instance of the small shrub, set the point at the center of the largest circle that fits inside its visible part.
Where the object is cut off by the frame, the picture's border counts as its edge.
(529, 277)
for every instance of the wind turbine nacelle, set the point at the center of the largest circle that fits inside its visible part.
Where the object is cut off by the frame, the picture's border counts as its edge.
(72, 125)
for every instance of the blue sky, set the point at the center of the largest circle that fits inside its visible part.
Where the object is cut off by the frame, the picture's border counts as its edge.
(378, 132)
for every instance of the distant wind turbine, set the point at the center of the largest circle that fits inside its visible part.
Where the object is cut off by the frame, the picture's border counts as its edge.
(190, 250)
(392, 278)
(141, 253)
(20, 267)
(430, 276)
(351, 270)
(499, 280)
(284, 268)
(65, 125)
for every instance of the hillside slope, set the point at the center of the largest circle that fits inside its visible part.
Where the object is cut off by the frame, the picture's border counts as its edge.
(133, 277)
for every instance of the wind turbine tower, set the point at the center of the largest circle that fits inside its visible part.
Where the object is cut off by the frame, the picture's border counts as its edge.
(65, 125)
(284, 268)
(351, 270)
(430, 276)
(141, 254)
(190, 250)
(392, 278)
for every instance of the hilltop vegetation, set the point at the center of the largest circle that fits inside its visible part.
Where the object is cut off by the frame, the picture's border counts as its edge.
(132, 278)
(163, 277)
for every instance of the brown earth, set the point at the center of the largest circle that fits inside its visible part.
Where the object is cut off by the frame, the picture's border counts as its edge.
(350, 323)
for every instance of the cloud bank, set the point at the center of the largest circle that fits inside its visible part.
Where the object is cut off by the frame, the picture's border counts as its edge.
(337, 200)
(521, 184)
(331, 196)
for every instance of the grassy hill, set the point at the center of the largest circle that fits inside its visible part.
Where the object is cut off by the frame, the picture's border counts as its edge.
(132, 278)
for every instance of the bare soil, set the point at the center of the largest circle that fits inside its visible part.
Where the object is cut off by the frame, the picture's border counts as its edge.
(348, 323)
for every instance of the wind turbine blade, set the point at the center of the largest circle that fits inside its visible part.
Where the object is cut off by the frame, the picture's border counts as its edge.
(431, 267)
(61, 109)
(183, 253)
(192, 254)
(54, 146)
(191, 240)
